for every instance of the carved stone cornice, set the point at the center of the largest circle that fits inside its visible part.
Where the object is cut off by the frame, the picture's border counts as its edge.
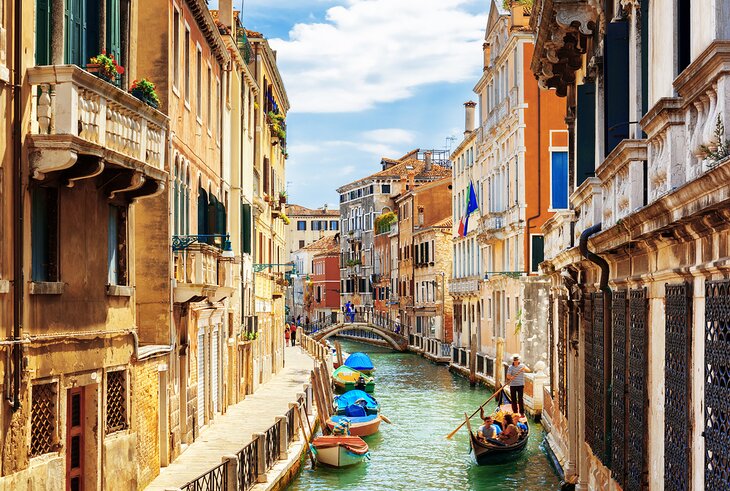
(563, 27)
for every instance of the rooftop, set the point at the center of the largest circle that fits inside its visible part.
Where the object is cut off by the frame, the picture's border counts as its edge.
(293, 210)
(325, 245)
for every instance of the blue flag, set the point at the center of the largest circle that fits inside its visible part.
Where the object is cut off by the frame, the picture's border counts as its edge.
(472, 205)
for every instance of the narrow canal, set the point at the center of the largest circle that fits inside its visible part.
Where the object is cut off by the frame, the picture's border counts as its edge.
(425, 402)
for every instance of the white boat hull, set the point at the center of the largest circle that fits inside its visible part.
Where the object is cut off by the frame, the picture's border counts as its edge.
(338, 456)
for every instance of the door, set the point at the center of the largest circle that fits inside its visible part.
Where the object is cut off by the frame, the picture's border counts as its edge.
(201, 378)
(214, 370)
(75, 440)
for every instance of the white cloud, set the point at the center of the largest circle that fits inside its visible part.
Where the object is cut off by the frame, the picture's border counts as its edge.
(389, 135)
(378, 51)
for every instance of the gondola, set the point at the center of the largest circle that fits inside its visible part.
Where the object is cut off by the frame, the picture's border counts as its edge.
(340, 451)
(360, 362)
(345, 379)
(488, 454)
(356, 403)
(359, 426)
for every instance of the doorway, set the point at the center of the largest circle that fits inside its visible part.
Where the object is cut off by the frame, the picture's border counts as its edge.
(75, 440)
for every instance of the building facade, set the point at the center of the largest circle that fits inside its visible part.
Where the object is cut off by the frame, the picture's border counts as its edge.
(308, 226)
(523, 161)
(326, 280)
(638, 262)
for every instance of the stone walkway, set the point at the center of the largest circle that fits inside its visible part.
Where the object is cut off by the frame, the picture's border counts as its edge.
(231, 431)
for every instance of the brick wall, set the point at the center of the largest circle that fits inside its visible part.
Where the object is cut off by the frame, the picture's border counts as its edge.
(144, 386)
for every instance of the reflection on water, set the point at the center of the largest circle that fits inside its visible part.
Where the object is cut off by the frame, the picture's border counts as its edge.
(426, 402)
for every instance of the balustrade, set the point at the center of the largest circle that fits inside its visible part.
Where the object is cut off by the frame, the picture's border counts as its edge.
(622, 181)
(587, 203)
(558, 236)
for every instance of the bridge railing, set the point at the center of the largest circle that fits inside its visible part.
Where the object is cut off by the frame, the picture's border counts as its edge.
(359, 315)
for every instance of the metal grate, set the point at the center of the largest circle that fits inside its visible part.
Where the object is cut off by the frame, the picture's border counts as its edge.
(595, 385)
(215, 479)
(717, 385)
(43, 419)
(678, 352)
(636, 472)
(272, 446)
(247, 465)
(619, 388)
(116, 401)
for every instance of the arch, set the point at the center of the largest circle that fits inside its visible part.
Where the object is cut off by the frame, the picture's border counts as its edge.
(396, 341)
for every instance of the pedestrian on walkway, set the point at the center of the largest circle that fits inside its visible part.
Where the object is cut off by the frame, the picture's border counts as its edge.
(293, 334)
(287, 334)
(516, 381)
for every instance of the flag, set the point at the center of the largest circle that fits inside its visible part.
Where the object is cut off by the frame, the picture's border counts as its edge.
(472, 205)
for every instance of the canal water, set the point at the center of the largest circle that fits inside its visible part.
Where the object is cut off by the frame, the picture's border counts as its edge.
(426, 402)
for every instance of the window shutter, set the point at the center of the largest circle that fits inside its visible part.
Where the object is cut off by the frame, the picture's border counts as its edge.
(43, 32)
(246, 228)
(112, 246)
(616, 83)
(202, 212)
(538, 252)
(113, 30)
(559, 180)
(585, 133)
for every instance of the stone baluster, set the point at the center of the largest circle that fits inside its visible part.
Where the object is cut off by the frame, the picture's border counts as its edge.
(44, 110)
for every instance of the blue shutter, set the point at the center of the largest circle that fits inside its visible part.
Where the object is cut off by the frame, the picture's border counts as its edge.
(559, 180)
(113, 30)
(616, 84)
(585, 133)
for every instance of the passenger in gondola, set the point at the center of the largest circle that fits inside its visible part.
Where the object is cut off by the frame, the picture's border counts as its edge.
(489, 431)
(510, 434)
(360, 384)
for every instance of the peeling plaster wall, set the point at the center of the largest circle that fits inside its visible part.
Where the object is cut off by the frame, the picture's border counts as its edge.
(534, 332)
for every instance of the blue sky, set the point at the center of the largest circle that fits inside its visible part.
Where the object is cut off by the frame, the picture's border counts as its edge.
(368, 78)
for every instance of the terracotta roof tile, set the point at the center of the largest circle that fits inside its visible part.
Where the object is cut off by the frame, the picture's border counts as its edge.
(325, 244)
(298, 210)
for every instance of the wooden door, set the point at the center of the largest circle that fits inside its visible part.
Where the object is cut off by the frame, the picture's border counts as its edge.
(75, 440)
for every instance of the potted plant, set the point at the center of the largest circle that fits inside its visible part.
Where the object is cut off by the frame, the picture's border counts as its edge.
(267, 198)
(282, 197)
(144, 90)
(105, 67)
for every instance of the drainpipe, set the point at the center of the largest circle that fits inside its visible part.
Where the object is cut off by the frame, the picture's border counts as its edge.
(18, 210)
(607, 334)
(539, 184)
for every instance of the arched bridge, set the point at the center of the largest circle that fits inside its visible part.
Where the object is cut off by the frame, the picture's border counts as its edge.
(387, 330)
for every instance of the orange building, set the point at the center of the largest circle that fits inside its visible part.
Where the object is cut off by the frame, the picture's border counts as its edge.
(523, 179)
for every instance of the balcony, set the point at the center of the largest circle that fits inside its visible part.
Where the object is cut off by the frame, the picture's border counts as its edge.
(82, 126)
(558, 236)
(587, 203)
(622, 181)
(201, 273)
(354, 236)
(464, 286)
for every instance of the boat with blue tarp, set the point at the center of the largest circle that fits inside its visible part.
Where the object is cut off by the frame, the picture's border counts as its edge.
(361, 362)
(356, 403)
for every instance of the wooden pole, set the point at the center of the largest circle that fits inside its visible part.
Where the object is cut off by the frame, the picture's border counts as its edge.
(498, 371)
(338, 347)
(304, 432)
(319, 401)
(473, 361)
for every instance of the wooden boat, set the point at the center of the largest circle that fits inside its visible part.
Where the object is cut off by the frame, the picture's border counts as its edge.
(345, 379)
(360, 362)
(486, 453)
(340, 451)
(356, 403)
(359, 426)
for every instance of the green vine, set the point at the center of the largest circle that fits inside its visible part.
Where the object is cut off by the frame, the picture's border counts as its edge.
(723, 145)
(506, 4)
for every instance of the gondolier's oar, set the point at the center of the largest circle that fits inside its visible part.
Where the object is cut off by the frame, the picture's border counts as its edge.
(451, 435)
(385, 419)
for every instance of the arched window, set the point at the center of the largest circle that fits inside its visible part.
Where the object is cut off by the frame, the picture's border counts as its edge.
(186, 217)
(176, 198)
(202, 211)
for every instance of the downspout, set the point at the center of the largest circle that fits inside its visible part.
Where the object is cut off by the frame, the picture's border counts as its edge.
(18, 211)
(537, 214)
(607, 334)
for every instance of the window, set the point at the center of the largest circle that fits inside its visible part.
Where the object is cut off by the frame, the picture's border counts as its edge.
(187, 64)
(209, 106)
(301, 225)
(559, 180)
(81, 32)
(334, 225)
(113, 29)
(44, 234)
(43, 32)
(43, 416)
(176, 48)
(537, 252)
(116, 401)
(199, 85)
(117, 245)
(246, 229)
(301, 244)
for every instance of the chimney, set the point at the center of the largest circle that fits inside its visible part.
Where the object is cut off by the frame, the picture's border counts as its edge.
(429, 161)
(469, 116)
(412, 179)
(324, 208)
(487, 48)
(225, 14)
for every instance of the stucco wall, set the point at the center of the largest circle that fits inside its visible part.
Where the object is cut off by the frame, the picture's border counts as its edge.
(145, 388)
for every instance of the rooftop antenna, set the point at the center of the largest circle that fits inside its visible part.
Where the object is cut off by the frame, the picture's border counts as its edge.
(449, 141)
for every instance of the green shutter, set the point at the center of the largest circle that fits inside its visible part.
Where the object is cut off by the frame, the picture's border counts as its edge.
(113, 29)
(43, 32)
(202, 212)
(538, 252)
(585, 133)
(212, 221)
(176, 219)
(644, 56)
(616, 84)
(246, 228)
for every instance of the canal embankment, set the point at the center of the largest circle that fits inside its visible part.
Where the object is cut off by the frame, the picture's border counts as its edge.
(257, 444)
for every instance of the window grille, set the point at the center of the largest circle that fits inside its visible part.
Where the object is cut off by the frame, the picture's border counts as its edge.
(116, 401)
(43, 419)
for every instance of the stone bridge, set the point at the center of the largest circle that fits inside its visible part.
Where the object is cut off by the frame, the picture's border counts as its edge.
(396, 341)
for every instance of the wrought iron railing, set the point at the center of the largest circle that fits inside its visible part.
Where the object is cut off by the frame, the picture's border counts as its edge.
(248, 462)
(271, 448)
(215, 479)
(291, 422)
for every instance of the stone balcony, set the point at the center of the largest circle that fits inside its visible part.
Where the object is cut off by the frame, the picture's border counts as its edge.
(494, 225)
(201, 273)
(464, 286)
(82, 126)
(587, 202)
(622, 181)
(558, 235)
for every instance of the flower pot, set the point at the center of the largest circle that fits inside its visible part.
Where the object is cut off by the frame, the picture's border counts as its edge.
(282, 199)
(144, 97)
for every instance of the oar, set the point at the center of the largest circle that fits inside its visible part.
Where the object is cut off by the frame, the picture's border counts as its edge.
(451, 435)
(311, 434)
(382, 416)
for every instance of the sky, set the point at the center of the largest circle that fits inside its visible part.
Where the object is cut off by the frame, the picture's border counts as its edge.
(368, 79)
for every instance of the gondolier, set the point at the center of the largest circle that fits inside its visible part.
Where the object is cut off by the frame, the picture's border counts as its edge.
(516, 381)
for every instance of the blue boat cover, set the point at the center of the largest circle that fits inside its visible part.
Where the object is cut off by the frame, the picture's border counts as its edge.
(359, 361)
(355, 411)
(352, 397)
(364, 419)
